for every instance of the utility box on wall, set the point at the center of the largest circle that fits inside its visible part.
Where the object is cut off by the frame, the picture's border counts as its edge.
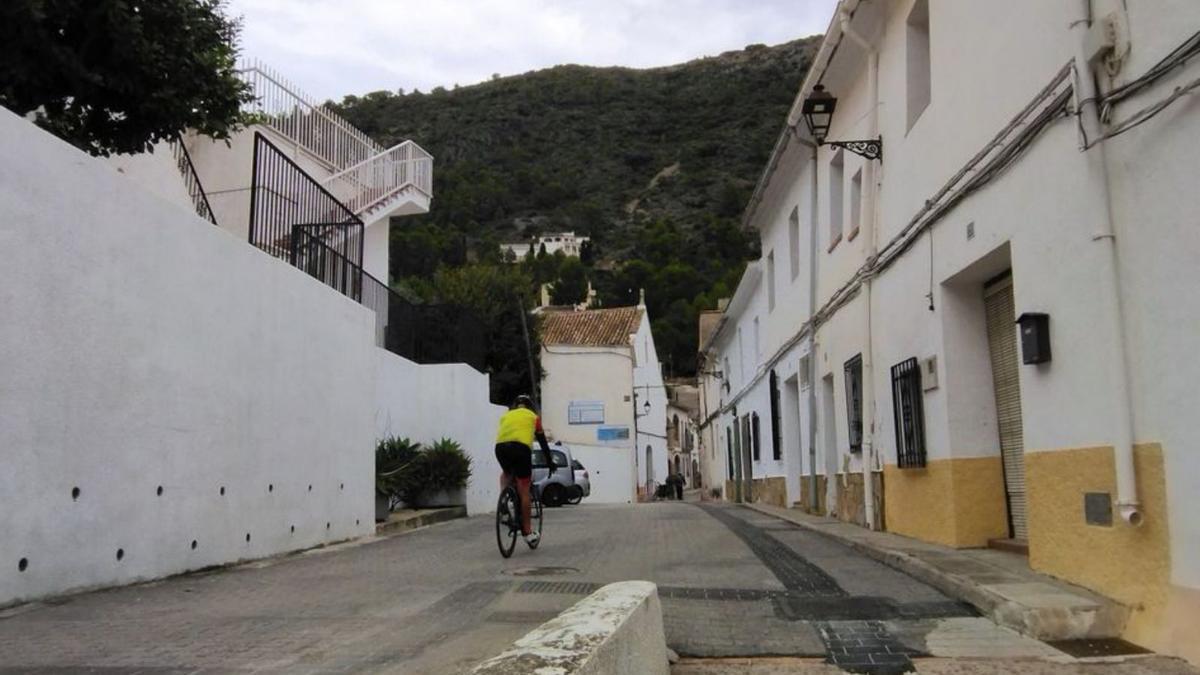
(1035, 337)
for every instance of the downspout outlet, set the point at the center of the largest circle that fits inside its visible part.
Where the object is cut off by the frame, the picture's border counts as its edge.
(1130, 512)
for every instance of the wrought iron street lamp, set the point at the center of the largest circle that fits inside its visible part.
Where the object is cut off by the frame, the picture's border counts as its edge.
(818, 115)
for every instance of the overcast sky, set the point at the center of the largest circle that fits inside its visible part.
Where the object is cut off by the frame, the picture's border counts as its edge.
(330, 48)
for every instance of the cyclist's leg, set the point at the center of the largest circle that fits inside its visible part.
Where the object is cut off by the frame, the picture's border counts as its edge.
(523, 492)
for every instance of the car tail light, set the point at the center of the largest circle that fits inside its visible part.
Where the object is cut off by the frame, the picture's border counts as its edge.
(585, 474)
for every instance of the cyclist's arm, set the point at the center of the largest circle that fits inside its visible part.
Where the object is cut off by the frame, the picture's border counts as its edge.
(540, 435)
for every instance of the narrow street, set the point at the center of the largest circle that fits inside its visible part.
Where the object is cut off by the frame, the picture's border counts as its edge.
(733, 583)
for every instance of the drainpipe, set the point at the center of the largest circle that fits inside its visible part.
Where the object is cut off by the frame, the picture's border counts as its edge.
(1121, 411)
(813, 500)
(867, 231)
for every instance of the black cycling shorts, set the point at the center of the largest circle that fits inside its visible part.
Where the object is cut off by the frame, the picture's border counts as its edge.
(515, 458)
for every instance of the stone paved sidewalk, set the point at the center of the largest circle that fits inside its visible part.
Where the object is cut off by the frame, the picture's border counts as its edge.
(999, 584)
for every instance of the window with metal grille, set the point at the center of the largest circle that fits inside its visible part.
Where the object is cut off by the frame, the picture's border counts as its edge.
(776, 439)
(854, 402)
(757, 440)
(909, 414)
(729, 450)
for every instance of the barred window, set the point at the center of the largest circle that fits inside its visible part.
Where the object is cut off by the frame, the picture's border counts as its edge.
(757, 440)
(854, 402)
(776, 438)
(908, 412)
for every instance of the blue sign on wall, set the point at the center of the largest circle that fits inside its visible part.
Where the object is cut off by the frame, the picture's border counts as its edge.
(612, 434)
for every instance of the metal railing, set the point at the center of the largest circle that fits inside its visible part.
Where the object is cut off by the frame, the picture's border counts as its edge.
(375, 180)
(282, 106)
(284, 199)
(191, 180)
(419, 333)
(366, 173)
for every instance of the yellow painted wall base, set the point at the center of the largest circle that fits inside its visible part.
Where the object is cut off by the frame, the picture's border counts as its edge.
(956, 502)
(1131, 565)
(772, 490)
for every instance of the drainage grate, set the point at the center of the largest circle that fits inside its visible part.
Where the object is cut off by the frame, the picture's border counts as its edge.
(570, 587)
(736, 594)
(793, 607)
(1082, 649)
(519, 617)
(540, 571)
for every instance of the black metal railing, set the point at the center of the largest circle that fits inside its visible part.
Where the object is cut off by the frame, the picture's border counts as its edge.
(284, 200)
(191, 180)
(419, 333)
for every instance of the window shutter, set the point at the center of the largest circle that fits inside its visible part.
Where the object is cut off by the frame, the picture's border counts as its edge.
(854, 394)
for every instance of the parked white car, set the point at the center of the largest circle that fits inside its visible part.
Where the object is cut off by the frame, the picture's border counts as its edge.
(556, 489)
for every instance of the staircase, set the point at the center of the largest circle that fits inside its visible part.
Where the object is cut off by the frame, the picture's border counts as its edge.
(372, 181)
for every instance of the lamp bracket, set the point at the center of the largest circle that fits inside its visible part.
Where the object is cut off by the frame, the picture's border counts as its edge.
(871, 148)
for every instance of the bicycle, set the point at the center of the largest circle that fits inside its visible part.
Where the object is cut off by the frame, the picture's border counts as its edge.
(508, 517)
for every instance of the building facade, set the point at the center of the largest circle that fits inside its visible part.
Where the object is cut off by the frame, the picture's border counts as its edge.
(980, 337)
(603, 394)
(569, 243)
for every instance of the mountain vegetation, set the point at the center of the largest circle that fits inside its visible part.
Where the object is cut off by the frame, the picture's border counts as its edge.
(654, 165)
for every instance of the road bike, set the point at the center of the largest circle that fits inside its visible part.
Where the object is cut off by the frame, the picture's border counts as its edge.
(508, 517)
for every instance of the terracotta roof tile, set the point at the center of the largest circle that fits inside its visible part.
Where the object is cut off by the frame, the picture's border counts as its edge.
(591, 328)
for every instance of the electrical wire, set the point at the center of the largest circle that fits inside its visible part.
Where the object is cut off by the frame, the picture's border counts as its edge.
(1146, 114)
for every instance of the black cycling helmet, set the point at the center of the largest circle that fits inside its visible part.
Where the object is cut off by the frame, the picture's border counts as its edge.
(523, 400)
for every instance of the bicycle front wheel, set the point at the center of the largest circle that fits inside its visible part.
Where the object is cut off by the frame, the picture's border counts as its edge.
(508, 521)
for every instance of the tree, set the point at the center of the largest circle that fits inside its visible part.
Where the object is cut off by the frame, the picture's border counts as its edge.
(571, 287)
(120, 75)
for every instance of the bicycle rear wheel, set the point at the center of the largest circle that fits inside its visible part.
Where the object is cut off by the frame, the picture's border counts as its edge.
(535, 515)
(508, 521)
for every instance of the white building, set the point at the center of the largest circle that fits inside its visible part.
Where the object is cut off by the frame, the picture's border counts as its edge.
(603, 394)
(567, 242)
(175, 398)
(876, 336)
(683, 410)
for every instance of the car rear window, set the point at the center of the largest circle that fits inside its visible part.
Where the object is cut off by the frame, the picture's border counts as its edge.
(576, 465)
(560, 458)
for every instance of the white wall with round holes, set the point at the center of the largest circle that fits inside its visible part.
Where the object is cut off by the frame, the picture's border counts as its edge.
(171, 397)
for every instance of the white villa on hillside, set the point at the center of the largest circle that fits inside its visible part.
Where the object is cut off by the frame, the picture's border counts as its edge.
(974, 320)
(603, 394)
(567, 242)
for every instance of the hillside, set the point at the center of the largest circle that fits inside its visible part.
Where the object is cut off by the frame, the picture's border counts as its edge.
(656, 165)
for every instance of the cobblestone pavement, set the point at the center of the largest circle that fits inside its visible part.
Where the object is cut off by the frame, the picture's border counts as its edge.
(734, 583)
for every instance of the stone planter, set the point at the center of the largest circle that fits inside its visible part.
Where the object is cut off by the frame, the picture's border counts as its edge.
(452, 497)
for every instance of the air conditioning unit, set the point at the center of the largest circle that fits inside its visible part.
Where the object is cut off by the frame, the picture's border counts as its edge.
(929, 373)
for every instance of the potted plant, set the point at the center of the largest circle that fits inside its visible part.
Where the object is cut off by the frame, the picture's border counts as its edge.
(440, 475)
(394, 457)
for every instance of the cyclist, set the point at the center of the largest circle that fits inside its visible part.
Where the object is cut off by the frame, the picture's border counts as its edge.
(514, 450)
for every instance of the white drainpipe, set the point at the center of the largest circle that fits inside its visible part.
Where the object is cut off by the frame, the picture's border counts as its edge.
(867, 231)
(1121, 410)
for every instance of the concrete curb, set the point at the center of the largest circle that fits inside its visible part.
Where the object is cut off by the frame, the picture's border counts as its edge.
(1071, 615)
(616, 630)
(402, 521)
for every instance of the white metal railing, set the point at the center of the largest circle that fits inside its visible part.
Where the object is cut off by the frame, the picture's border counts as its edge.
(282, 106)
(366, 173)
(375, 179)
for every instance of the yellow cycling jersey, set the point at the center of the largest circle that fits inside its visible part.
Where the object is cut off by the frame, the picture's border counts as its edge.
(518, 425)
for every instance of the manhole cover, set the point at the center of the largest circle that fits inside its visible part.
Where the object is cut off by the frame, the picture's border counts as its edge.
(540, 571)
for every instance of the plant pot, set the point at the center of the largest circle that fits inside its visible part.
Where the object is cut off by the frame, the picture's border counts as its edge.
(451, 497)
(381, 508)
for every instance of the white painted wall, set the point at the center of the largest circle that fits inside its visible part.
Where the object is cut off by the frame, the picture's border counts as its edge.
(428, 402)
(602, 374)
(652, 425)
(610, 470)
(146, 348)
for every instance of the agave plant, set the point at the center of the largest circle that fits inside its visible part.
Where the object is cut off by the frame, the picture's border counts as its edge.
(394, 457)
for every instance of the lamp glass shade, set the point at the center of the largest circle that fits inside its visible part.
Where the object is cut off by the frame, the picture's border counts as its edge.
(817, 110)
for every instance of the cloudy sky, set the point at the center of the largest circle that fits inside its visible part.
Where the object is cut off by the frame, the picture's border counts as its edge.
(330, 48)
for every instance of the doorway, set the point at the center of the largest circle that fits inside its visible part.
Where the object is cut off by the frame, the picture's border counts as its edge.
(649, 470)
(747, 461)
(1002, 348)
